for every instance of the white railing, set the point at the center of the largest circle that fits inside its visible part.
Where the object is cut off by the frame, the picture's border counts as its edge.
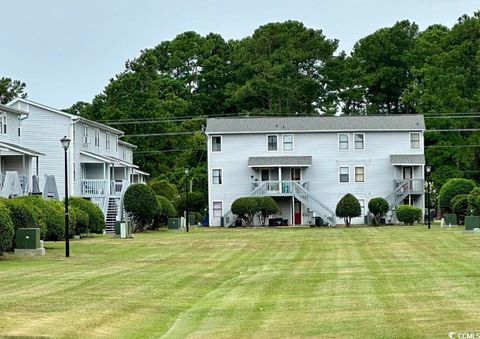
(95, 187)
(281, 187)
(118, 186)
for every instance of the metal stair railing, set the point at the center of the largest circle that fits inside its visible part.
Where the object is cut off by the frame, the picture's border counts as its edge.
(307, 198)
(400, 192)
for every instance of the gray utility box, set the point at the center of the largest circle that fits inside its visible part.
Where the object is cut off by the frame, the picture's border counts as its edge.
(28, 242)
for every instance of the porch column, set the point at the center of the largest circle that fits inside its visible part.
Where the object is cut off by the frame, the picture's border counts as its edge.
(125, 172)
(293, 211)
(279, 180)
(23, 163)
(36, 165)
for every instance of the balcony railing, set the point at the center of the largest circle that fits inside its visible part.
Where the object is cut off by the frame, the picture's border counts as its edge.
(102, 187)
(409, 186)
(283, 187)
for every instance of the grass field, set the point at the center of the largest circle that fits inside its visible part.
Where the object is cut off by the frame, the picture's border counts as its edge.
(402, 282)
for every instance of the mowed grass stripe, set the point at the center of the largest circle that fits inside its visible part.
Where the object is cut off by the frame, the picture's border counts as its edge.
(381, 282)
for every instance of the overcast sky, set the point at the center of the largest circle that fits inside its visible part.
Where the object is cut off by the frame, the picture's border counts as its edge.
(66, 51)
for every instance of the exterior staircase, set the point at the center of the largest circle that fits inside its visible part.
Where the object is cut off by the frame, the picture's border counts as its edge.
(401, 191)
(289, 188)
(111, 215)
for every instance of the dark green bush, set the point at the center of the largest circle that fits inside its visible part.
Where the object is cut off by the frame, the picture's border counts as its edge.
(474, 201)
(37, 206)
(55, 219)
(378, 207)
(82, 221)
(347, 208)
(460, 207)
(140, 201)
(266, 207)
(96, 219)
(245, 208)
(408, 214)
(163, 188)
(6, 229)
(165, 211)
(452, 188)
(196, 202)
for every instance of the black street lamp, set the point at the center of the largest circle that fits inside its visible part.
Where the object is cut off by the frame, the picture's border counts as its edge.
(186, 197)
(65, 143)
(428, 171)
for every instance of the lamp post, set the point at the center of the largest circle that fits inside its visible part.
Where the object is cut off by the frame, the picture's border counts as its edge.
(186, 197)
(428, 170)
(65, 143)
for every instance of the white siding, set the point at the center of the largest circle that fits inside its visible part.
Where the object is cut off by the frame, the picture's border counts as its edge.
(322, 174)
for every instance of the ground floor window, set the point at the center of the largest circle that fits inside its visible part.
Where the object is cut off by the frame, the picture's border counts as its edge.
(217, 208)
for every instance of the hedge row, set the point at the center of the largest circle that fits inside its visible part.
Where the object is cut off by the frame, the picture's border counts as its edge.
(48, 216)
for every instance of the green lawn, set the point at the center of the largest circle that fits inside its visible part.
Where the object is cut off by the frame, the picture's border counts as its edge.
(361, 282)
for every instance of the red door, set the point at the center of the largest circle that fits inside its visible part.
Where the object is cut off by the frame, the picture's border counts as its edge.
(298, 213)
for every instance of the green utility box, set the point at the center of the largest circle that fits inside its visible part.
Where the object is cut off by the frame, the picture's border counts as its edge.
(450, 219)
(471, 222)
(117, 227)
(28, 238)
(173, 223)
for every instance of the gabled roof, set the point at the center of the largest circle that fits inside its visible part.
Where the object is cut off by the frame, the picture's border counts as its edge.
(75, 118)
(108, 159)
(290, 161)
(4, 108)
(400, 122)
(124, 143)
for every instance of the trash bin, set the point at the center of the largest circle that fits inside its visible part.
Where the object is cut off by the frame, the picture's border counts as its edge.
(238, 222)
(318, 221)
(117, 227)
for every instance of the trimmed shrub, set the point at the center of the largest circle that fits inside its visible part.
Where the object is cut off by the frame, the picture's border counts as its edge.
(266, 207)
(245, 208)
(460, 206)
(474, 201)
(54, 216)
(6, 229)
(163, 188)
(196, 202)
(96, 219)
(452, 188)
(83, 221)
(140, 201)
(165, 211)
(378, 207)
(37, 206)
(409, 214)
(347, 208)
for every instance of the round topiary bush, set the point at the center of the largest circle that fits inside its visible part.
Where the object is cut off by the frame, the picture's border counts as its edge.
(140, 201)
(452, 188)
(245, 208)
(266, 207)
(378, 207)
(55, 219)
(37, 206)
(163, 188)
(347, 208)
(165, 211)
(6, 229)
(460, 206)
(96, 219)
(408, 214)
(474, 201)
(82, 221)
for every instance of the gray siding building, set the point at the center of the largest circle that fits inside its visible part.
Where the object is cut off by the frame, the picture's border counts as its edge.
(308, 163)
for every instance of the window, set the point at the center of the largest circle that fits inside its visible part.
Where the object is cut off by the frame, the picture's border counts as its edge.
(97, 137)
(359, 140)
(272, 142)
(107, 141)
(216, 144)
(343, 142)
(217, 208)
(115, 140)
(362, 206)
(359, 174)
(19, 126)
(74, 135)
(344, 174)
(124, 153)
(74, 172)
(217, 176)
(4, 118)
(85, 134)
(414, 140)
(288, 142)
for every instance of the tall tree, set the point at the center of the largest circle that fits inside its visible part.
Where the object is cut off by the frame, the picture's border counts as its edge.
(11, 89)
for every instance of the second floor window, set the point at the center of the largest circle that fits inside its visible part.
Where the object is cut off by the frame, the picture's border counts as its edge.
(272, 142)
(216, 143)
(19, 127)
(359, 174)
(97, 138)
(343, 142)
(4, 121)
(344, 174)
(217, 176)
(288, 142)
(85, 134)
(414, 140)
(107, 141)
(359, 140)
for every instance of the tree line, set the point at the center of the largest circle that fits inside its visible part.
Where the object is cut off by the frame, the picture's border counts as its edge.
(289, 69)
